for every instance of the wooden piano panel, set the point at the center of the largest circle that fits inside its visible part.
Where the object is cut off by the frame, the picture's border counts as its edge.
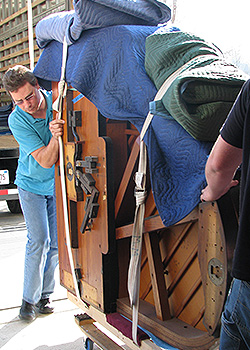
(93, 248)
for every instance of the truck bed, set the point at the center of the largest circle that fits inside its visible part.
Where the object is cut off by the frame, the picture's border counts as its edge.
(8, 146)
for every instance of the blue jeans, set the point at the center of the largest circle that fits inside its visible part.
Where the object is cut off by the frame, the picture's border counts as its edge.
(235, 329)
(41, 255)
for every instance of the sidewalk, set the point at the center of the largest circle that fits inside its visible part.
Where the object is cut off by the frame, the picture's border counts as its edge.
(57, 331)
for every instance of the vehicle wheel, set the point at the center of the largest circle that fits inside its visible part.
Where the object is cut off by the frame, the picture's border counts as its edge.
(14, 206)
(88, 344)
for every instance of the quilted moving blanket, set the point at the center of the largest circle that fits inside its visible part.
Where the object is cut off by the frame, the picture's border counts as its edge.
(107, 66)
(89, 14)
(202, 94)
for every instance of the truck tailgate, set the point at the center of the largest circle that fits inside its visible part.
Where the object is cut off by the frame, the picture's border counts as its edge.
(8, 146)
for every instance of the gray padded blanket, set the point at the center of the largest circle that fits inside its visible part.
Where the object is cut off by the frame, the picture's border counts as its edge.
(90, 14)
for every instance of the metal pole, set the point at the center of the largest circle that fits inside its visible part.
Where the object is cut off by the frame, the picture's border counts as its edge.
(30, 31)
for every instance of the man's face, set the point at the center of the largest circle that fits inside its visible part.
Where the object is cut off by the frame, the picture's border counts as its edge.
(27, 98)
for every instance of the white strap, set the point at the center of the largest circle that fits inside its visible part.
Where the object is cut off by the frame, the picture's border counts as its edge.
(62, 86)
(140, 195)
(174, 10)
(136, 243)
(166, 85)
(57, 106)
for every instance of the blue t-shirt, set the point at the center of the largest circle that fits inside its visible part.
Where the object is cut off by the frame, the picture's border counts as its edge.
(31, 134)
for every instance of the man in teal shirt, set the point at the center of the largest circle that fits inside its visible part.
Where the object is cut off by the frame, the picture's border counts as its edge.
(32, 125)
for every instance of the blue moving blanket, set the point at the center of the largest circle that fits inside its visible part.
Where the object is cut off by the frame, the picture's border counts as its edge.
(107, 66)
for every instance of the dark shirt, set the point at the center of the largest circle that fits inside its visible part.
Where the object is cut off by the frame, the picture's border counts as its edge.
(236, 131)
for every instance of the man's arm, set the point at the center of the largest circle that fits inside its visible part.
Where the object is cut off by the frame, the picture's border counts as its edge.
(220, 169)
(47, 156)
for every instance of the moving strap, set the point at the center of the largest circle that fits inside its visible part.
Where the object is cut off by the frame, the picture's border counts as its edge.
(58, 107)
(140, 197)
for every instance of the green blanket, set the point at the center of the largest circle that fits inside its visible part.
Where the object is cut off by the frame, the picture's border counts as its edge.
(203, 93)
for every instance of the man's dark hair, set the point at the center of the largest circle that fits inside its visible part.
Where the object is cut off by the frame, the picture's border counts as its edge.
(17, 77)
